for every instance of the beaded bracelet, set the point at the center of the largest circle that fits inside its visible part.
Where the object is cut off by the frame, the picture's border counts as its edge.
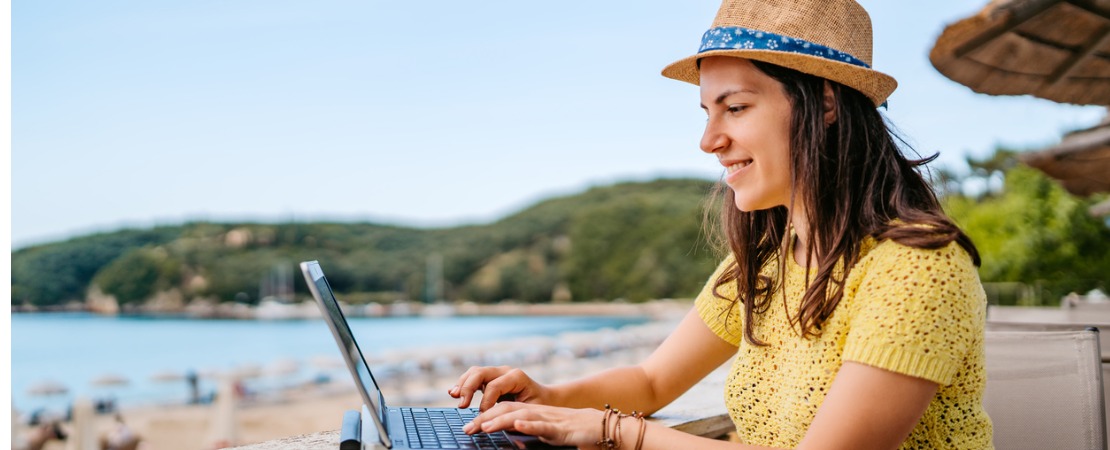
(643, 429)
(612, 417)
(606, 442)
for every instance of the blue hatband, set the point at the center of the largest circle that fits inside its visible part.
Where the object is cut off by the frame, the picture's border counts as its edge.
(740, 38)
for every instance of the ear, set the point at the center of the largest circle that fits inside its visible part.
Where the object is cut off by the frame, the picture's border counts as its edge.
(830, 105)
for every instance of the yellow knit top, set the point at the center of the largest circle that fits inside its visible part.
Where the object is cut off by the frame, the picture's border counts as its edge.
(912, 311)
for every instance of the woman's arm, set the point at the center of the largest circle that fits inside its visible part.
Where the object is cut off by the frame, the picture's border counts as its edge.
(866, 408)
(690, 353)
(684, 358)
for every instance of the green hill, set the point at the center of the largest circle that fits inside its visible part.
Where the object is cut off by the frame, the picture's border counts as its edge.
(631, 240)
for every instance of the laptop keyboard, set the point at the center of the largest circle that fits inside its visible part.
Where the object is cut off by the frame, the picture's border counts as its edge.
(442, 428)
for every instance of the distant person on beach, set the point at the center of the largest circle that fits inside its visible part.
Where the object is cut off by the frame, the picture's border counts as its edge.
(848, 303)
(194, 387)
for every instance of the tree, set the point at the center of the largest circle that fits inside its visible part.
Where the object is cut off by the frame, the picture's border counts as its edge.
(137, 275)
(992, 170)
(56, 273)
(1033, 231)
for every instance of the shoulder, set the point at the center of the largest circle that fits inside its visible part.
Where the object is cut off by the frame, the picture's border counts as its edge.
(718, 307)
(711, 292)
(903, 276)
(893, 256)
(916, 311)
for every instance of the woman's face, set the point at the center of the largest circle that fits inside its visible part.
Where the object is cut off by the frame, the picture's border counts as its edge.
(748, 129)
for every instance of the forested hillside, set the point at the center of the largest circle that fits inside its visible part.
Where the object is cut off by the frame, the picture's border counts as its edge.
(633, 240)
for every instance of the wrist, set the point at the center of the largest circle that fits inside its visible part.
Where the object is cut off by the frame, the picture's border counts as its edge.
(550, 395)
(620, 431)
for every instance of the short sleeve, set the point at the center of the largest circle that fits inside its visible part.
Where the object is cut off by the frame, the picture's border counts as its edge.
(916, 311)
(721, 315)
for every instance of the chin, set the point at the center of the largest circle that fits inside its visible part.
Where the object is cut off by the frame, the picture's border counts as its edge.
(746, 206)
(752, 205)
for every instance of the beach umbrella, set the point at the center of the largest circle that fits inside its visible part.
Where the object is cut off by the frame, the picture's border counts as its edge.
(167, 376)
(47, 387)
(1081, 161)
(1053, 49)
(110, 380)
(1057, 50)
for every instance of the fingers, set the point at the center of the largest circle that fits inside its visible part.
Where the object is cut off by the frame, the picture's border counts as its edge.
(498, 418)
(456, 390)
(505, 385)
(553, 425)
(470, 382)
(538, 428)
(474, 380)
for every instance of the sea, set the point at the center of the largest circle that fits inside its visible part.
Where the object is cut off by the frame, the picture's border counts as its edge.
(79, 350)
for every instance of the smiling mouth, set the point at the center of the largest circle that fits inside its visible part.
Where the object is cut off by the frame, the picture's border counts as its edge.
(740, 165)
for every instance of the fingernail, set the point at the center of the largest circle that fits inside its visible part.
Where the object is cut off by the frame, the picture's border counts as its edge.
(468, 426)
(455, 389)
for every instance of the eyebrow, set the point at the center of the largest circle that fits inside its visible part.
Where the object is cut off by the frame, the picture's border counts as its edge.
(721, 98)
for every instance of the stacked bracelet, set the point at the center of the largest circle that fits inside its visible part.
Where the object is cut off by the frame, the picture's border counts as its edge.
(643, 429)
(611, 419)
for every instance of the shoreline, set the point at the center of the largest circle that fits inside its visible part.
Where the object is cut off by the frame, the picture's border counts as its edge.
(307, 310)
(413, 378)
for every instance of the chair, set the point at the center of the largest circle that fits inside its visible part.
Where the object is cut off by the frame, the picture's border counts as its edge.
(1044, 390)
(1025, 319)
(1088, 315)
(1104, 338)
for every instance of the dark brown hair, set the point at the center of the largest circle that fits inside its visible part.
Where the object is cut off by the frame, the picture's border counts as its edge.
(857, 184)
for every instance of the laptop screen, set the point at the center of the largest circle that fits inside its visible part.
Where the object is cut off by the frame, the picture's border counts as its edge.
(338, 323)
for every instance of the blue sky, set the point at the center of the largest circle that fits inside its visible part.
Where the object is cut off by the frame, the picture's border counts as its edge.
(134, 113)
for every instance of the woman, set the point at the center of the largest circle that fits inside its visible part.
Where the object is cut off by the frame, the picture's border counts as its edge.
(849, 303)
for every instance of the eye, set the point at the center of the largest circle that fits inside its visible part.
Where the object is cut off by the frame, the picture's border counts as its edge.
(733, 109)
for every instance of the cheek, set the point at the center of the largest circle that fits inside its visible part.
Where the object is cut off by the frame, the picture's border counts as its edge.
(781, 157)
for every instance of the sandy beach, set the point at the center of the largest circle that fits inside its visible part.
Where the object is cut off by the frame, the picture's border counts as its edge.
(313, 408)
(189, 426)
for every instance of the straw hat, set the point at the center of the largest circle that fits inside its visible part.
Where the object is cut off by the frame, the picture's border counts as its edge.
(827, 38)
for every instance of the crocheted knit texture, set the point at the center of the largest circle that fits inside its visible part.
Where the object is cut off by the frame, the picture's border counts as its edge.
(913, 311)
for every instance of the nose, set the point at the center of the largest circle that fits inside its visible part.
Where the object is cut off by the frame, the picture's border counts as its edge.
(713, 141)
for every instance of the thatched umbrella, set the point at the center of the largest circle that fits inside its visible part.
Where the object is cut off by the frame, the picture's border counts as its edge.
(1081, 161)
(1054, 49)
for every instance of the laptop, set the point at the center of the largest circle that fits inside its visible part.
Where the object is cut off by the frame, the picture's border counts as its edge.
(399, 427)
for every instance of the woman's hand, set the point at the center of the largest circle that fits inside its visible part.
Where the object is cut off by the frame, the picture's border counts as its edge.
(552, 424)
(496, 384)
